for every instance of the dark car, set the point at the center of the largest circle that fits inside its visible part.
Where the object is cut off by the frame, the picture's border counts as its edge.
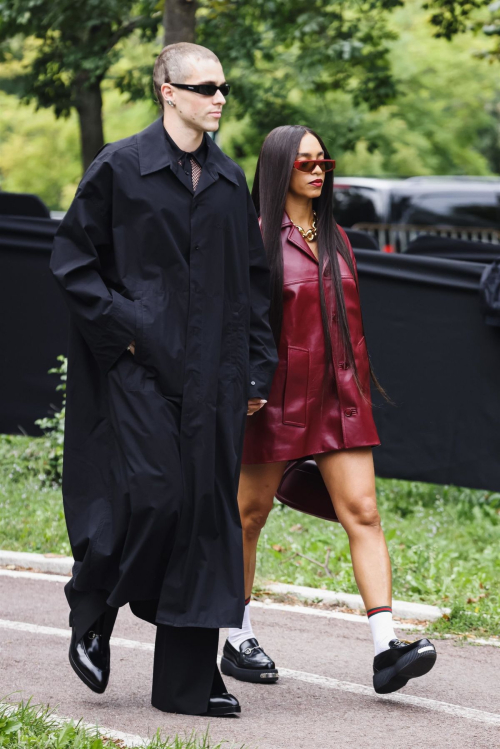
(396, 211)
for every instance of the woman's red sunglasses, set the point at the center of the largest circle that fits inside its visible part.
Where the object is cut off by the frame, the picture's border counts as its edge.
(327, 165)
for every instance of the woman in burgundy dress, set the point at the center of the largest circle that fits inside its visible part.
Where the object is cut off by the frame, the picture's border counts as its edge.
(319, 404)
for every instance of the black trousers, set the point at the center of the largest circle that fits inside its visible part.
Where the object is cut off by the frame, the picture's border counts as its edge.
(185, 671)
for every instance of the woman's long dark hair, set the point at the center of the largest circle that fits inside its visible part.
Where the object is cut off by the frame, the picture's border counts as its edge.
(270, 189)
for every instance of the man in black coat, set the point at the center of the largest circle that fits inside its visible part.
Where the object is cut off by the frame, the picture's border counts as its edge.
(161, 262)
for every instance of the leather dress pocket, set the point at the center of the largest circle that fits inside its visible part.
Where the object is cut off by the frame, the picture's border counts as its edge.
(296, 385)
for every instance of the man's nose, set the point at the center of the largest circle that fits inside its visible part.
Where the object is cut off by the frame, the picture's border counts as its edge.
(219, 98)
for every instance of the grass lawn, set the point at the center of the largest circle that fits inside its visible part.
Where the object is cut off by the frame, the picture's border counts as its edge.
(33, 726)
(31, 510)
(444, 541)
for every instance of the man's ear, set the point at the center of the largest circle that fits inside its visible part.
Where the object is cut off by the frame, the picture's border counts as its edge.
(166, 91)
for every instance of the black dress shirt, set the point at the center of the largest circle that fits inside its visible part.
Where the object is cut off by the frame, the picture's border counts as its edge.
(184, 158)
(183, 192)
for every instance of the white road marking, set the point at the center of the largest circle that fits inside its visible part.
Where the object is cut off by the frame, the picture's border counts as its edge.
(307, 610)
(24, 575)
(457, 711)
(310, 611)
(38, 629)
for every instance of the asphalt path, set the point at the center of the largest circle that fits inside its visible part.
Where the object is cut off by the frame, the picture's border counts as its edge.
(323, 699)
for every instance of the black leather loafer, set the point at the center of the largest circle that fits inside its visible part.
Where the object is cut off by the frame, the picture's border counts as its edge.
(222, 704)
(393, 668)
(250, 663)
(90, 657)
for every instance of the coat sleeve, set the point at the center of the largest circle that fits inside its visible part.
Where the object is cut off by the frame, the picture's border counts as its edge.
(263, 354)
(82, 246)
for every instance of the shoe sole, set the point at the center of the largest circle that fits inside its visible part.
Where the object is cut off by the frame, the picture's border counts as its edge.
(217, 712)
(409, 666)
(85, 679)
(254, 676)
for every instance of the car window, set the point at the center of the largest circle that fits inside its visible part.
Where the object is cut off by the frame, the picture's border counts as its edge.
(353, 205)
(454, 208)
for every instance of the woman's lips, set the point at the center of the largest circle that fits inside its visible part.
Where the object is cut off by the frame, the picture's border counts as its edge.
(316, 182)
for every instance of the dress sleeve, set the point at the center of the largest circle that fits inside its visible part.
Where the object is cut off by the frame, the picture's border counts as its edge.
(82, 245)
(263, 354)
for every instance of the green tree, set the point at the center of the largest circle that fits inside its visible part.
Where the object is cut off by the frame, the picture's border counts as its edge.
(271, 50)
(284, 56)
(452, 17)
(445, 118)
(75, 45)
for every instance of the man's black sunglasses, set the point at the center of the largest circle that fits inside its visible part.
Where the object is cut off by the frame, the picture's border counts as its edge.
(205, 89)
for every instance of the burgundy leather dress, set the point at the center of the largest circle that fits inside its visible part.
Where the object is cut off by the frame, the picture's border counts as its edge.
(301, 418)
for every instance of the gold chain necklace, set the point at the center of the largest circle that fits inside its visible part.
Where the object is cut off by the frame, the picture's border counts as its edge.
(310, 234)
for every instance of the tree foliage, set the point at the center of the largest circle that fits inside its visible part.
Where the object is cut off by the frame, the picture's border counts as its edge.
(311, 46)
(76, 43)
(452, 17)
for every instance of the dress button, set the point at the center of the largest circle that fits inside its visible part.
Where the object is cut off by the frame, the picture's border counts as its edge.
(253, 382)
(197, 247)
(351, 411)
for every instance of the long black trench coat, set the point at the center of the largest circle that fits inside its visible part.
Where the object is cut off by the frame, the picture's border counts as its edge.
(150, 499)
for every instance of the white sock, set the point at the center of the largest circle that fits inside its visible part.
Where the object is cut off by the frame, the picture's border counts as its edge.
(237, 636)
(382, 629)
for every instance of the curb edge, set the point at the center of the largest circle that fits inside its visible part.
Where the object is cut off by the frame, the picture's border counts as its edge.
(402, 609)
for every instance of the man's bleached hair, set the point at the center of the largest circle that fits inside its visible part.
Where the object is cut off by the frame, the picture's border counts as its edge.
(175, 63)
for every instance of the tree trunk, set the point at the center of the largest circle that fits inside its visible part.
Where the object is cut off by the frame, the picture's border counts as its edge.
(179, 21)
(89, 108)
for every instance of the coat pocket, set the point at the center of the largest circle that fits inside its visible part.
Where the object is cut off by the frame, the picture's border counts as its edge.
(297, 378)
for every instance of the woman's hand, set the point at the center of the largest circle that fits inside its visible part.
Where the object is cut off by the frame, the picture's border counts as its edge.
(254, 405)
(131, 347)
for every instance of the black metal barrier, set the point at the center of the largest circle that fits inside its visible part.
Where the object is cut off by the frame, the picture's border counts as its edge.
(426, 334)
(34, 324)
(439, 362)
(454, 249)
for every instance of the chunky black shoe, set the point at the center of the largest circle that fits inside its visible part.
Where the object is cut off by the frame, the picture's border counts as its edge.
(222, 704)
(90, 657)
(404, 660)
(250, 663)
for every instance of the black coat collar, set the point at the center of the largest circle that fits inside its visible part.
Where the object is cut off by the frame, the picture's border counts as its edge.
(155, 153)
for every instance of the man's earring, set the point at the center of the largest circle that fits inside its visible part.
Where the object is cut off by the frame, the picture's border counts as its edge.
(169, 101)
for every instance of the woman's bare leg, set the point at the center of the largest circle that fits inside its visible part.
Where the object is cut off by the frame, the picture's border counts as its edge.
(242, 655)
(257, 488)
(350, 479)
